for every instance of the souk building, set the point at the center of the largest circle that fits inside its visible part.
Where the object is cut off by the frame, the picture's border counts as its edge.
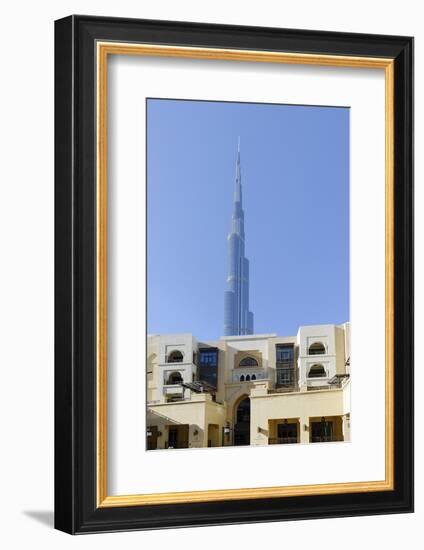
(249, 390)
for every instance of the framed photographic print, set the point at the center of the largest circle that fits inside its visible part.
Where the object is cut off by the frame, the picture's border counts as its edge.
(234, 274)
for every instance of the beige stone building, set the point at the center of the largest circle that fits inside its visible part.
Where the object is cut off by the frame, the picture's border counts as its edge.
(249, 390)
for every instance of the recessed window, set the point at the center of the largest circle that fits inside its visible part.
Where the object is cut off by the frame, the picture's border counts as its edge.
(317, 348)
(175, 378)
(242, 378)
(175, 357)
(317, 371)
(208, 357)
(284, 354)
(207, 367)
(248, 362)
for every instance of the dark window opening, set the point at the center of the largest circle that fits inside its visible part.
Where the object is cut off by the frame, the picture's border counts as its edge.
(248, 362)
(177, 437)
(242, 425)
(317, 371)
(322, 431)
(286, 433)
(317, 348)
(208, 366)
(175, 378)
(175, 357)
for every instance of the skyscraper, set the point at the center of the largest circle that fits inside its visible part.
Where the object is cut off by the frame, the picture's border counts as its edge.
(238, 320)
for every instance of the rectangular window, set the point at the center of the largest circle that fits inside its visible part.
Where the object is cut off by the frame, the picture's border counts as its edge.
(285, 354)
(208, 366)
(285, 365)
(285, 377)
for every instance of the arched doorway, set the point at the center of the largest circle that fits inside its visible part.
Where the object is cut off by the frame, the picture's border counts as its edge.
(242, 423)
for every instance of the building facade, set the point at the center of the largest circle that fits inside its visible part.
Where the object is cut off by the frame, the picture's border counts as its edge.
(238, 319)
(249, 389)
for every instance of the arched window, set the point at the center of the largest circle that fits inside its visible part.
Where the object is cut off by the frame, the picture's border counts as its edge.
(317, 348)
(248, 362)
(253, 376)
(175, 378)
(175, 357)
(247, 377)
(242, 378)
(317, 371)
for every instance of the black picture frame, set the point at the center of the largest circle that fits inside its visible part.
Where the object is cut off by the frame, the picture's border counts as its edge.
(76, 510)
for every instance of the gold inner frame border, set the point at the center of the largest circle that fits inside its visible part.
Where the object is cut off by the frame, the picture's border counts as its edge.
(103, 50)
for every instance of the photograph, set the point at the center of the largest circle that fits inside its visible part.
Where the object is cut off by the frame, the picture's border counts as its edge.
(234, 267)
(248, 327)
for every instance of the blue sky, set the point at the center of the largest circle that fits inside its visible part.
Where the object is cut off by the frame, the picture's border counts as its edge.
(295, 176)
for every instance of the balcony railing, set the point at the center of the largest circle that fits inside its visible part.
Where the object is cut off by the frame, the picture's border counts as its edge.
(173, 389)
(317, 383)
(335, 383)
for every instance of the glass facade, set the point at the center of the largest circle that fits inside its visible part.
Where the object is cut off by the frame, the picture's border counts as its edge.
(285, 365)
(208, 366)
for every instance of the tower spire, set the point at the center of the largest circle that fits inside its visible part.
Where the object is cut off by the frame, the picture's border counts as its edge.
(237, 181)
(238, 320)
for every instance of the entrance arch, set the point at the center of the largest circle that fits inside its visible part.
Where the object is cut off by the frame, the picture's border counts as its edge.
(242, 422)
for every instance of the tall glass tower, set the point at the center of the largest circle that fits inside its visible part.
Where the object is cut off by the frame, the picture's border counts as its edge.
(238, 320)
